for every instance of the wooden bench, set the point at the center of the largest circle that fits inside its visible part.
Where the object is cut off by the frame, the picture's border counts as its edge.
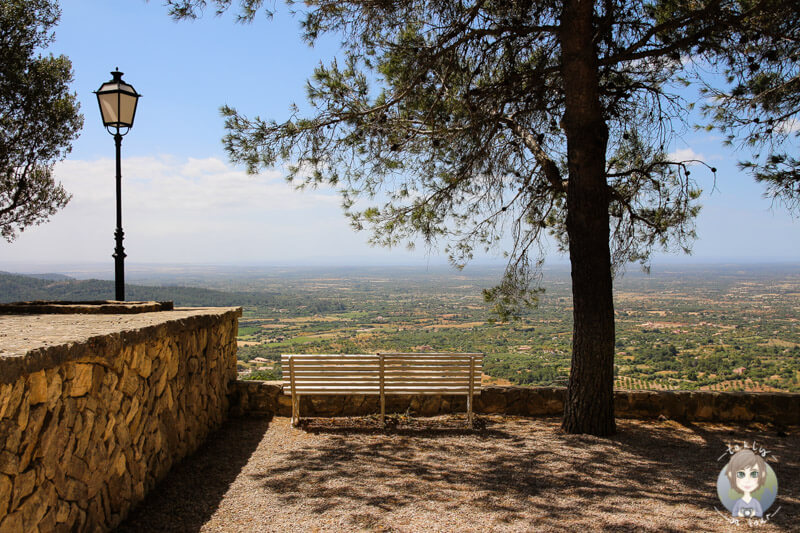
(381, 374)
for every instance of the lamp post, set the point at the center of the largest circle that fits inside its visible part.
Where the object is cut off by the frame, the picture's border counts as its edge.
(117, 100)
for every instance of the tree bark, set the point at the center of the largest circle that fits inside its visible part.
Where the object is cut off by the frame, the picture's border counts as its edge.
(589, 407)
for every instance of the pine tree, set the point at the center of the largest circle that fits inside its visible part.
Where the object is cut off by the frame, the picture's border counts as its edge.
(39, 117)
(473, 123)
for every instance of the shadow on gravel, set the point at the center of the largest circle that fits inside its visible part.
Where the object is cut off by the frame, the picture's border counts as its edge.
(194, 488)
(504, 471)
(441, 426)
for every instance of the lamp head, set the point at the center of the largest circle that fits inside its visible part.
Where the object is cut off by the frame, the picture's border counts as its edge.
(117, 100)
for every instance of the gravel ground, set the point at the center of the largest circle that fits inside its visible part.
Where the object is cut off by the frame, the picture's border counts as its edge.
(510, 474)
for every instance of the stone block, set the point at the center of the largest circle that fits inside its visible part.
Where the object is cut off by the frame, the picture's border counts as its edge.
(24, 484)
(23, 412)
(71, 489)
(48, 521)
(37, 385)
(5, 397)
(110, 380)
(12, 523)
(77, 468)
(544, 402)
(10, 436)
(5, 493)
(9, 463)
(491, 401)
(97, 518)
(116, 401)
(62, 511)
(161, 382)
(33, 509)
(109, 431)
(134, 355)
(84, 436)
(123, 435)
(129, 382)
(36, 419)
(54, 389)
(145, 367)
(173, 361)
(81, 384)
(11, 398)
(74, 514)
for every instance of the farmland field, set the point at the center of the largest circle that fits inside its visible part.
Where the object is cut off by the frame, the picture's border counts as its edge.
(711, 328)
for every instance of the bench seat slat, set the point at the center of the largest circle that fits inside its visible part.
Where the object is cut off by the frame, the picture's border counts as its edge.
(442, 364)
(304, 372)
(337, 389)
(368, 380)
(331, 355)
(387, 379)
(309, 368)
(430, 354)
(397, 356)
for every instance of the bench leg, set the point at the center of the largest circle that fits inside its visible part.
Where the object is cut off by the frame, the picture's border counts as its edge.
(383, 410)
(471, 390)
(382, 390)
(295, 410)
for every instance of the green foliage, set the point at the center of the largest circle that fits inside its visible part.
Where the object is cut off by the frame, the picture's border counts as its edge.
(248, 353)
(39, 117)
(247, 330)
(261, 375)
(759, 106)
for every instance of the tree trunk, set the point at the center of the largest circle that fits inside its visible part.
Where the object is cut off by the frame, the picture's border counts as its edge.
(589, 407)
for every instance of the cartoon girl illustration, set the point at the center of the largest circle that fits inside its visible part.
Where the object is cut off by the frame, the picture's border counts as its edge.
(747, 472)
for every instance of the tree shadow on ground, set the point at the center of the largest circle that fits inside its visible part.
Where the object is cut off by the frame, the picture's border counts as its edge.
(524, 473)
(192, 491)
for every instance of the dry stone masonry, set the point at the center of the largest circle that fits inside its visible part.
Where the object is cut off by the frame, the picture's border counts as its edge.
(267, 398)
(95, 409)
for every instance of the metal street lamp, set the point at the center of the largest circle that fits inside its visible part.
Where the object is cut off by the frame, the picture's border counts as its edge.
(117, 100)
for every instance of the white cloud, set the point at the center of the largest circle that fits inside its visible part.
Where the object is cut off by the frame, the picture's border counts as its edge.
(686, 154)
(187, 210)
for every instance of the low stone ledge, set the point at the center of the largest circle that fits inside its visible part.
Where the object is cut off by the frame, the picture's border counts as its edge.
(267, 398)
(98, 307)
(781, 408)
(29, 343)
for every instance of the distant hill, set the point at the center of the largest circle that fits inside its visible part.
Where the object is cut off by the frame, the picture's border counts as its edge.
(50, 276)
(19, 288)
(15, 288)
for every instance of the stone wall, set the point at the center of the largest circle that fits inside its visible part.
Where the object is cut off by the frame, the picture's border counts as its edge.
(266, 398)
(95, 409)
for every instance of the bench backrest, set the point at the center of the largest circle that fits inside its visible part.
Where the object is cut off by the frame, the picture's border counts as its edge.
(401, 373)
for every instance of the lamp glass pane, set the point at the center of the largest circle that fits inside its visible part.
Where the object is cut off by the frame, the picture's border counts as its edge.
(127, 108)
(108, 107)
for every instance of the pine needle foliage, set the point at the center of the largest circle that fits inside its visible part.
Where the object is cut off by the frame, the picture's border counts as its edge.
(39, 116)
(490, 124)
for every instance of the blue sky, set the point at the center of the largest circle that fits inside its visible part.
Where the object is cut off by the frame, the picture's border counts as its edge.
(184, 203)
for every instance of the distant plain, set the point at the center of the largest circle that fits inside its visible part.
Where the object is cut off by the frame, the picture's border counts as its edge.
(707, 327)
